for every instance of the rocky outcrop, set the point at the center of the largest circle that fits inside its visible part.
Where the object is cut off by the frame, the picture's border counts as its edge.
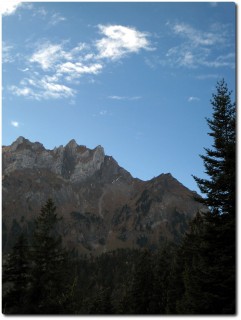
(72, 162)
(102, 205)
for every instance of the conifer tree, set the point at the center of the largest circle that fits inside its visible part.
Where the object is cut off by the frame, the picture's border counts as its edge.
(141, 295)
(219, 162)
(161, 271)
(209, 248)
(16, 278)
(196, 270)
(175, 290)
(50, 264)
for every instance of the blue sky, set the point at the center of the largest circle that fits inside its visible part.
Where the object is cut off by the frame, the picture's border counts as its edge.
(136, 78)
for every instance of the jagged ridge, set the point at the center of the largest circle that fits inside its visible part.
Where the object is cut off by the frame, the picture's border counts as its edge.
(102, 205)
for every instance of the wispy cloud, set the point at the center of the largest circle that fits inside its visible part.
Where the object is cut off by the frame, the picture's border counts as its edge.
(125, 98)
(7, 55)
(56, 18)
(48, 55)
(52, 69)
(42, 12)
(103, 112)
(15, 124)
(55, 90)
(42, 89)
(207, 76)
(51, 55)
(52, 17)
(24, 70)
(193, 99)
(75, 70)
(197, 37)
(227, 60)
(21, 91)
(119, 41)
(198, 47)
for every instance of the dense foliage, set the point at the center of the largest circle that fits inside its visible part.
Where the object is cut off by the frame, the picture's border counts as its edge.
(196, 276)
(219, 161)
(216, 245)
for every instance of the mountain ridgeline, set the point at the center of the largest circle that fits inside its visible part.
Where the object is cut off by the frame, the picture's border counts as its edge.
(102, 205)
(123, 246)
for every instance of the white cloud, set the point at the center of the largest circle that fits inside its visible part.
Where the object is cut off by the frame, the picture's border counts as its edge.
(116, 97)
(47, 55)
(7, 56)
(55, 90)
(53, 56)
(53, 18)
(227, 60)
(181, 56)
(56, 18)
(75, 70)
(187, 59)
(24, 70)
(186, 56)
(198, 48)
(80, 47)
(42, 89)
(193, 99)
(197, 37)
(207, 76)
(15, 124)
(59, 66)
(151, 63)
(25, 91)
(103, 112)
(40, 12)
(124, 98)
(119, 41)
(53, 67)
(9, 7)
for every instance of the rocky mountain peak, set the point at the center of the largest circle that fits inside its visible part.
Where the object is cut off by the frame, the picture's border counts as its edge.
(102, 205)
(22, 143)
(20, 140)
(72, 144)
(99, 153)
(74, 162)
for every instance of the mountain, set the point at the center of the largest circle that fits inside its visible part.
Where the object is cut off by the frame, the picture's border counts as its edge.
(102, 205)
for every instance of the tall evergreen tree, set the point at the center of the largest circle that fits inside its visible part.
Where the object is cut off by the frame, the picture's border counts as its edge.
(175, 290)
(219, 162)
(141, 295)
(16, 278)
(50, 264)
(209, 248)
(162, 263)
(197, 271)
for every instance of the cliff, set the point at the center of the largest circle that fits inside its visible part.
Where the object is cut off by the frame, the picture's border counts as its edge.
(102, 205)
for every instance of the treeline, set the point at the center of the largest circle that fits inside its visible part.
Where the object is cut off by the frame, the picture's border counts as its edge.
(41, 277)
(196, 276)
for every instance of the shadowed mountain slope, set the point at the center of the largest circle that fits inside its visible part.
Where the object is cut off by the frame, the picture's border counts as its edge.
(102, 205)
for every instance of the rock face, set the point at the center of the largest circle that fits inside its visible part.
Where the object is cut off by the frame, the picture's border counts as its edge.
(102, 205)
(75, 163)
